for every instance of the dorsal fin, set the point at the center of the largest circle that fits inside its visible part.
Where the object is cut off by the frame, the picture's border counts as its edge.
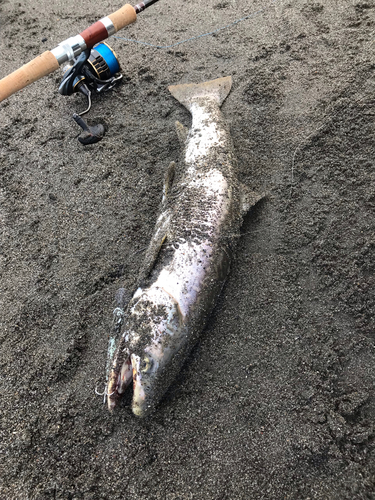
(216, 89)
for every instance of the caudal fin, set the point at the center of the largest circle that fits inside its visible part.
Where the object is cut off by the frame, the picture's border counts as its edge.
(217, 89)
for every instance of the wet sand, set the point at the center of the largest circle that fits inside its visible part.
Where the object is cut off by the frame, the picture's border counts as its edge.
(276, 400)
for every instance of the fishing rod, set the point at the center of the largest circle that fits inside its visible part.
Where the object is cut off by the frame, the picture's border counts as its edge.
(70, 49)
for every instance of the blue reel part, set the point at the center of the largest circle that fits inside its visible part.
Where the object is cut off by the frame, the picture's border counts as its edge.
(104, 61)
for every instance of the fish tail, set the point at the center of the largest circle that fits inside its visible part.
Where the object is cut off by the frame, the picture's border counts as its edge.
(215, 89)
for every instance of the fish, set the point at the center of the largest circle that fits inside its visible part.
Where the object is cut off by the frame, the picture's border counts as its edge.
(189, 256)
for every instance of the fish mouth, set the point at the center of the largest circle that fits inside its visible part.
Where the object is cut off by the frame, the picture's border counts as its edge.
(120, 380)
(139, 396)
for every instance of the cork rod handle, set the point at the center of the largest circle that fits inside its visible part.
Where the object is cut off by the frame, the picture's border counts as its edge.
(28, 73)
(122, 17)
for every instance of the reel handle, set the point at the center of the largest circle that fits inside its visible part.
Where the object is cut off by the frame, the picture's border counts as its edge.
(49, 61)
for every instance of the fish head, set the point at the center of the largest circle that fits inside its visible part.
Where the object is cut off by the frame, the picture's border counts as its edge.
(150, 351)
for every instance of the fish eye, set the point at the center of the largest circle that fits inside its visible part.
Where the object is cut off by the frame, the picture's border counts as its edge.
(146, 364)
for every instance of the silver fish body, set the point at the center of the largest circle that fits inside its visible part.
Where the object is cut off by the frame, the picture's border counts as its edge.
(189, 257)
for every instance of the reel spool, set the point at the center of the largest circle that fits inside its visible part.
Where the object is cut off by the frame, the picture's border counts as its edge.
(104, 61)
(94, 70)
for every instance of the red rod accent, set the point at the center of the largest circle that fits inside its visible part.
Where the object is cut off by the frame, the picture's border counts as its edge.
(94, 34)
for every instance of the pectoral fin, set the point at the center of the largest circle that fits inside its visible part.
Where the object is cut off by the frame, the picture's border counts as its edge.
(249, 198)
(152, 252)
(168, 180)
(161, 227)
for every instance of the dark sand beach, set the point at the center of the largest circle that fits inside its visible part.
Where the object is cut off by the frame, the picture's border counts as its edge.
(276, 401)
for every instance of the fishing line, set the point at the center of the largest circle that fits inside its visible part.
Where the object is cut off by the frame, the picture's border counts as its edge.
(253, 14)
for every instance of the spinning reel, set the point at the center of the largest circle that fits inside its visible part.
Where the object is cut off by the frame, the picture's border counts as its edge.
(95, 70)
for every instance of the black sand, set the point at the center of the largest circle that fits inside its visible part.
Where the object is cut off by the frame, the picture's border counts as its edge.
(277, 399)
